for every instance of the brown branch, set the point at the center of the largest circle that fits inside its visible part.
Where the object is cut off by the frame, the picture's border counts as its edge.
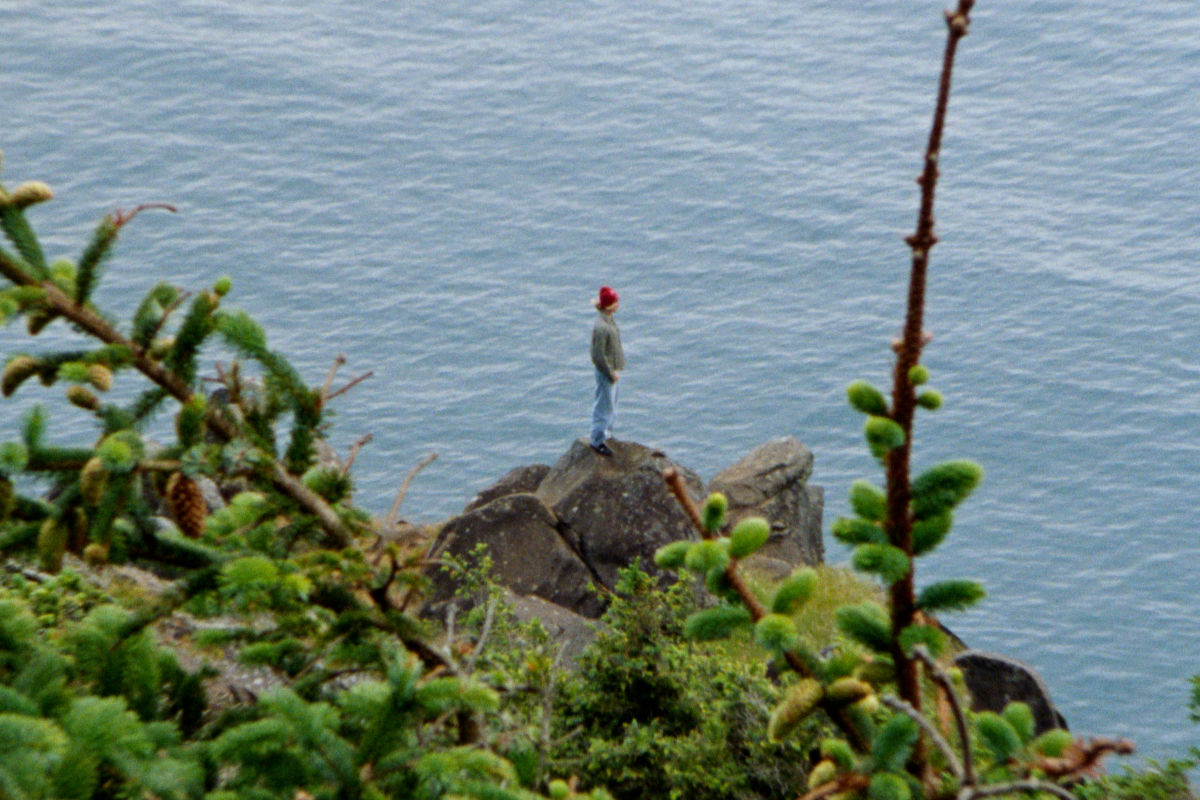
(351, 384)
(354, 448)
(952, 762)
(389, 521)
(844, 783)
(939, 677)
(325, 387)
(1030, 785)
(899, 521)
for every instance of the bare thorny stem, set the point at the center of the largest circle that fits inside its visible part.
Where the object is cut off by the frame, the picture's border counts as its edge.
(899, 521)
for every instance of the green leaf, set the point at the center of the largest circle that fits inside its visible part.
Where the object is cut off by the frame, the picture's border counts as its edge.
(776, 632)
(927, 534)
(794, 591)
(866, 398)
(867, 623)
(715, 623)
(943, 487)
(885, 560)
(1020, 717)
(748, 536)
(997, 735)
(671, 556)
(955, 595)
(868, 501)
(855, 530)
(883, 435)
(893, 744)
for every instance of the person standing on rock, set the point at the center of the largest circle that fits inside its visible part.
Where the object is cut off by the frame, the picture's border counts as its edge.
(609, 360)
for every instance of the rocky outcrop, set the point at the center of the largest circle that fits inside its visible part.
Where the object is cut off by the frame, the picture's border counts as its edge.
(616, 511)
(553, 530)
(516, 481)
(528, 554)
(995, 681)
(772, 482)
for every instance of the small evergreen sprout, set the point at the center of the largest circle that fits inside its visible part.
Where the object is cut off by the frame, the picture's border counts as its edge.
(889, 786)
(18, 369)
(932, 638)
(883, 435)
(887, 561)
(748, 536)
(941, 488)
(868, 501)
(928, 533)
(918, 375)
(706, 555)
(120, 451)
(930, 400)
(845, 691)
(998, 736)
(839, 752)
(1053, 743)
(952, 595)
(794, 591)
(866, 623)
(223, 285)
(1020, 717)
(776, 632)
(671, 556)
(715, 623)
(798, 703)
(894, 744)
(713, 512)
(866, 398)
(14, 456)
(855, 531)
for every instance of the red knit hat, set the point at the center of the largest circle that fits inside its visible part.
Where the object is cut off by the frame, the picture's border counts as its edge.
(608, 297)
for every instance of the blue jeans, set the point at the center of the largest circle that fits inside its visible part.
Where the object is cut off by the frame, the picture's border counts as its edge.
(604, 410)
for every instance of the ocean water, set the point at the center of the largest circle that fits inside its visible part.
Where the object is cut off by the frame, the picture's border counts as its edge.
(436, 189)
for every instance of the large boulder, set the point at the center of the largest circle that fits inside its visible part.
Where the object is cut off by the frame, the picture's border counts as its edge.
(516, 481)
(572, 632)
(995, 681)
(772, 482)
(528, 554)
(616, 510)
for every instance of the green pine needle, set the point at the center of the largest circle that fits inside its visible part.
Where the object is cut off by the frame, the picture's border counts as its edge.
(943, 487)
(887, 561)
(868, 501)
(953, 595)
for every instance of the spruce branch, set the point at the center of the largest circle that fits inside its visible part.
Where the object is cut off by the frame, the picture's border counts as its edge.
(899, 491)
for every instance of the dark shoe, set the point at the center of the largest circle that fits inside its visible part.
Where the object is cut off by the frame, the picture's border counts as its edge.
(602, 449)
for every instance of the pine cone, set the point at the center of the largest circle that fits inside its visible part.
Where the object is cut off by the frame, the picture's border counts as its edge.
(186, 503)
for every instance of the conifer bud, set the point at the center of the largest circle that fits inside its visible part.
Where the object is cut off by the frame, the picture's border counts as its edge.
(845, 691)
(96, 554)
(80, 396)
(748, 536)
(824, 772)
(51, 545)
(800, 701)
(29, 193)
(15, 373)
(93, 480)
(160, 348)
(100, 376)
(713, 513)
(705, 555)
(222, 286)
(918, 375)
(671, 556)
(186, 503)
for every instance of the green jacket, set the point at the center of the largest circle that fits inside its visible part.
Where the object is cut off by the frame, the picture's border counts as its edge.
(607, 354)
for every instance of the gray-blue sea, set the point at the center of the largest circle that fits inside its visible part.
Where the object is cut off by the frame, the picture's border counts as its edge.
(436, 188)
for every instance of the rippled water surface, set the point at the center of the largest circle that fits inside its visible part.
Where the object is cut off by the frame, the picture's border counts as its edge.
(435, 189)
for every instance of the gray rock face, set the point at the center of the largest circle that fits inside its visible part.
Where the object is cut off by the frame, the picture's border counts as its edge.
(995, 681)
(516, 481)
(528, 554)
(616, 510)
(572, 631)
(772, 482)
